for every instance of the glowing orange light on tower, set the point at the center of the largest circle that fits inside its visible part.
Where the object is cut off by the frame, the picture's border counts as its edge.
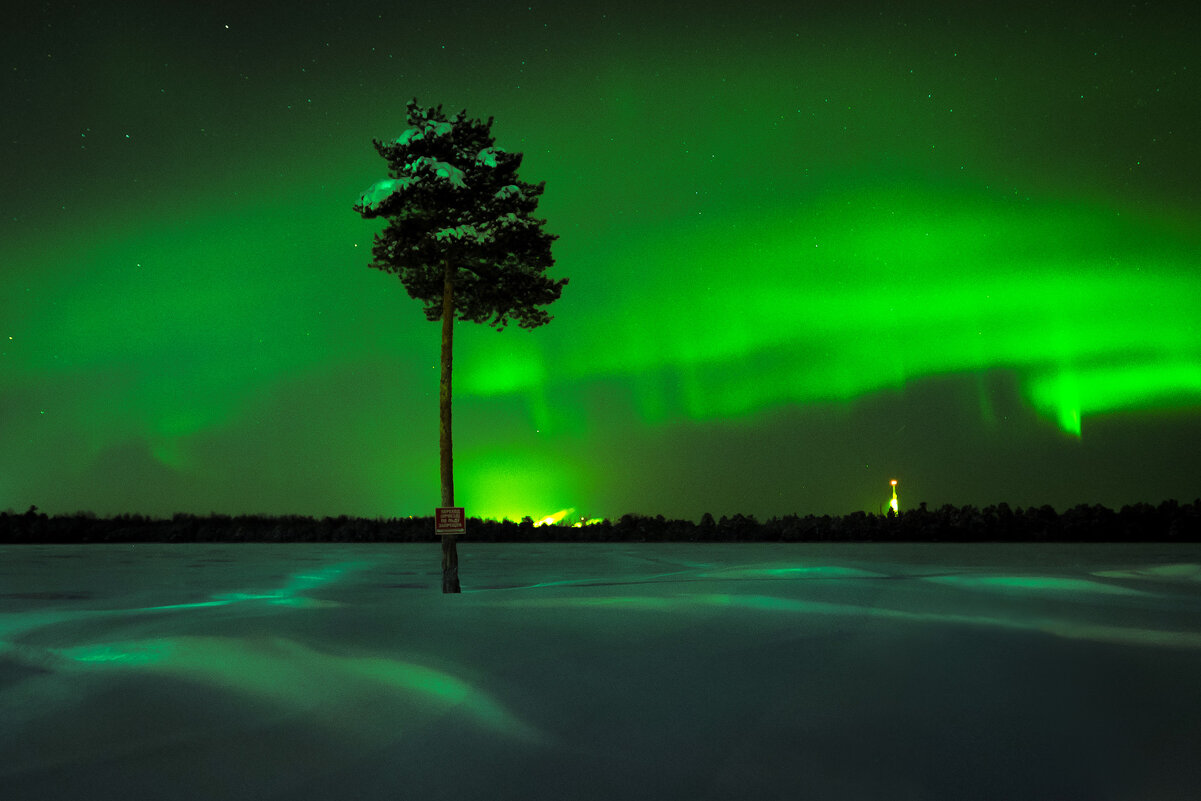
(893, 504)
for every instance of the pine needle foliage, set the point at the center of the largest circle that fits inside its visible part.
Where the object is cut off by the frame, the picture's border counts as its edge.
(453, 199)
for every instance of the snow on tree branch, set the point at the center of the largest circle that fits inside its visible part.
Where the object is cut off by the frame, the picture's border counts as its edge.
(488, 155)
(441, 169)
(431, 129)
(374, 196)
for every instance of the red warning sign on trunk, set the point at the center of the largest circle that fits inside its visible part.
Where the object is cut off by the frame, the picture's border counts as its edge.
(450, 520)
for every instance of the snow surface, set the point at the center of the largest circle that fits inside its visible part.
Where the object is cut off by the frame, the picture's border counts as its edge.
(600, 672)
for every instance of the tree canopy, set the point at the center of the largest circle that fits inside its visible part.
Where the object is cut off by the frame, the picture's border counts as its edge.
(452, 197)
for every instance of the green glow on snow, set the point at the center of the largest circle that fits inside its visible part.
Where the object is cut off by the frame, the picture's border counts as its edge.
(1033, 584)
(705, 604)
(356, 693)
(291, 594)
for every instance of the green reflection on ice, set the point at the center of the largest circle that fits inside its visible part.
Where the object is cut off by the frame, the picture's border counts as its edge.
(1175, 571)
(292, 593)
(1050, 584)
(139, 654)
(703, 604)
(798, 572)
(357, 693)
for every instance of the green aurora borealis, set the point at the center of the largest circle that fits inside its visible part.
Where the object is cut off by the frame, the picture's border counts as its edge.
(810, 249)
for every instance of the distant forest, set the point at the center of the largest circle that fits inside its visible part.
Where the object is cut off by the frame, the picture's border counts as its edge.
(1170, 521)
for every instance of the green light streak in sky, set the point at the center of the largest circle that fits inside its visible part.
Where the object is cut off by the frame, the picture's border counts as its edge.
(171, 325)
(759, 214)
(827, 299)
(1072, 393)
(845, 299)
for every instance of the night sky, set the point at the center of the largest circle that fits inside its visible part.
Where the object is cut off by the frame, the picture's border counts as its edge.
(811, 247)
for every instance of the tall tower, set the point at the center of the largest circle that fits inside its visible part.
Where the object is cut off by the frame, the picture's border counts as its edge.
(892, 504)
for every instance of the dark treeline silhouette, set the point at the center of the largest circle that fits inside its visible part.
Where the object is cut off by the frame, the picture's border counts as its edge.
(1170, 521)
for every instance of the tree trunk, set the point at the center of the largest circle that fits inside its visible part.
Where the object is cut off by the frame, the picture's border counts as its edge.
(450, 552)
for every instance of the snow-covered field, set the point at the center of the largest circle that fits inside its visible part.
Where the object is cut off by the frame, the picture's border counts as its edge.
(601, 672)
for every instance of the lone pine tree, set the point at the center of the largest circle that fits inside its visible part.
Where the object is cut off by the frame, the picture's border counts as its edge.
(461, 237)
